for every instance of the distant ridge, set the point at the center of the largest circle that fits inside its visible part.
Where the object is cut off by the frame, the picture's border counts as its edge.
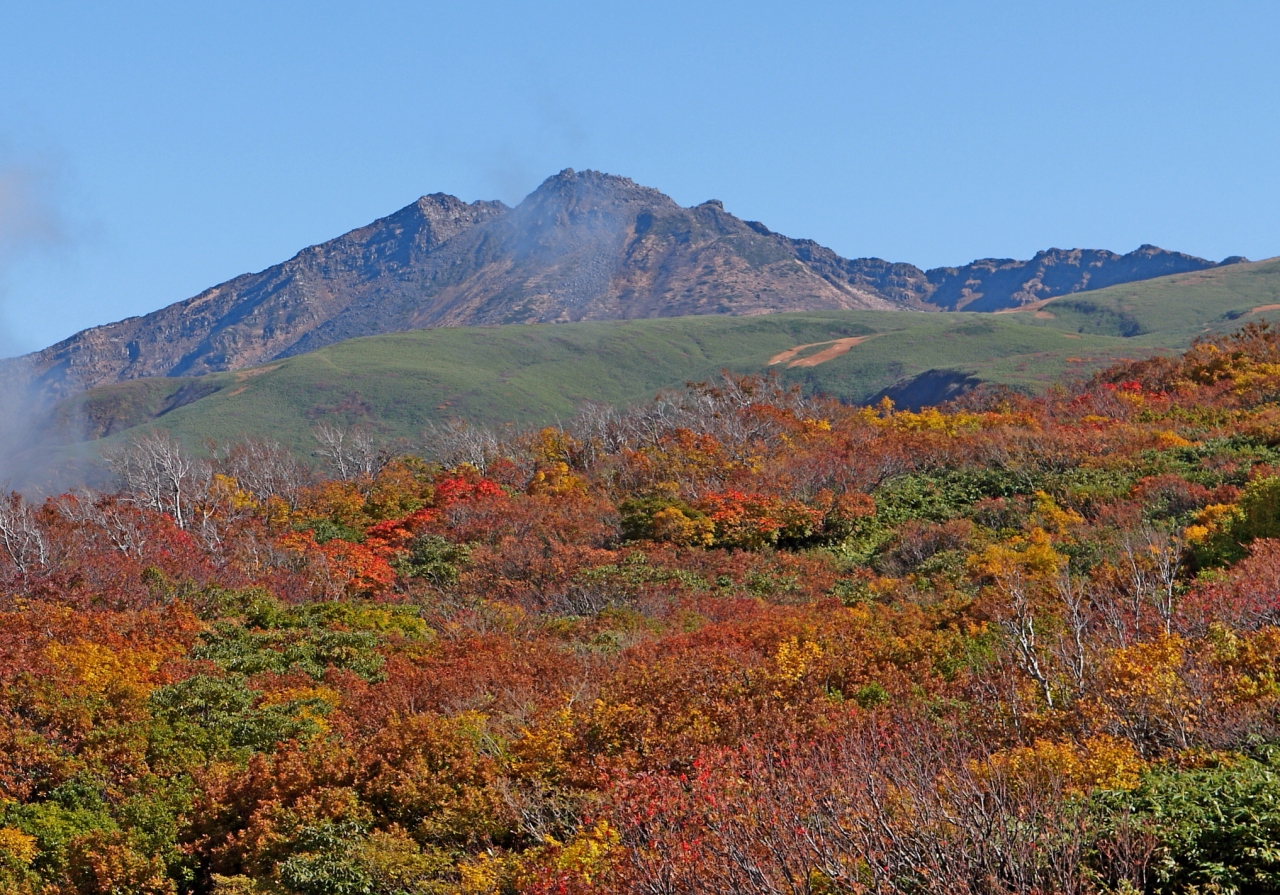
(583, 246)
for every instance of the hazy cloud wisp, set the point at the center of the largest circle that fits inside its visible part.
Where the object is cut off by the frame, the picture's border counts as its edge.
(31, 223)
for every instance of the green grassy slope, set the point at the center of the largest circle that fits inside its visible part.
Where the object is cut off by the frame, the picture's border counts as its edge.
(1176, 308)
(535, 374)
(524, 375)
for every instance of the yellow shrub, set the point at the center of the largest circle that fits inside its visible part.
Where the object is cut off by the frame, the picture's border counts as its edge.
(1100, 762)
(17, 849)
(794, 658)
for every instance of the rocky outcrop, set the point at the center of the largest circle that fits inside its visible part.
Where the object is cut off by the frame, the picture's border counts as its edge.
(993, 284)
(256, 317)
(583, 246)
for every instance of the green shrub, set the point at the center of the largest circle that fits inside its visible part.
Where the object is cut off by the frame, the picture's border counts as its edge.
(1217, 828)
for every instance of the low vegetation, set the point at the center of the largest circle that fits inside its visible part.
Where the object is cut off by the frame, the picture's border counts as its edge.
(735, 639)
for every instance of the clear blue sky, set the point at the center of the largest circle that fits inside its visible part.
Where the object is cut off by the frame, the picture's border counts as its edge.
(148, 151)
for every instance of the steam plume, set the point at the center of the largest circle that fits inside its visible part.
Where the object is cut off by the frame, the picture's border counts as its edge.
(30, 223)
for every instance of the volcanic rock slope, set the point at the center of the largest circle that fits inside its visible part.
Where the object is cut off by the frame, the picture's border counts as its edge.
(583, 246)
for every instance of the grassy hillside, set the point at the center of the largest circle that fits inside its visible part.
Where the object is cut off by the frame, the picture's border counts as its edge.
(1178, 307)
(524, 375)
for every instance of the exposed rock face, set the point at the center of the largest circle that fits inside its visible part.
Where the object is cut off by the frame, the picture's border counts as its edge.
(993, 284)
(256, 317)
(583, 246)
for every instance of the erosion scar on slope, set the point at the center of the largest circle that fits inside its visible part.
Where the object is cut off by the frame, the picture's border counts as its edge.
(836, 347)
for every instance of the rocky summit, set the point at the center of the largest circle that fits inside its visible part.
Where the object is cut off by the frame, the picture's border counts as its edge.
(583, 246)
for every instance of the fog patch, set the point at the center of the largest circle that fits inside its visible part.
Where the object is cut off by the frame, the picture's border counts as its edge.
(31, 224)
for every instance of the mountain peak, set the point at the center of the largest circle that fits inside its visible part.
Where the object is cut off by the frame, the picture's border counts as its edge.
(584, 245)
(593, 190)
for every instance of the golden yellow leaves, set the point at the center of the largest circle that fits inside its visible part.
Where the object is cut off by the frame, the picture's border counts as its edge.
(1210, 520)
(556, 480)
(1100, 762)
(1048, 515)
(91, 669)
(672, 525)
(794, 658)
(1167, 440)
(1031, 556)
(17, 849)
(585, 856)
(540, 750)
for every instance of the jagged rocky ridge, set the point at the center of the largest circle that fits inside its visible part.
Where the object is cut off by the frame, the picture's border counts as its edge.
(583, 246)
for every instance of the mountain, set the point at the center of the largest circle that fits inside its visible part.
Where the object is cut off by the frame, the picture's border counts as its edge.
(583, 246)
(995, 284)
(396, 385)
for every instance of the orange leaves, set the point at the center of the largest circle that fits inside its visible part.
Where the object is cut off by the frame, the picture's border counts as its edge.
(141, 640)
(390, 540)
(338, 500)
(462, 484)
(364, 570)
(752, 521)
(1144, 695)
(705, 632)
(681, 461)
(340, 567)
(431, 774)
(102, 863)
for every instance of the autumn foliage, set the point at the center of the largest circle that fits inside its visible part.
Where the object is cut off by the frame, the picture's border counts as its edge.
(735, 640)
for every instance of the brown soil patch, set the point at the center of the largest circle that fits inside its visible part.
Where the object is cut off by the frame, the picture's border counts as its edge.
(835, 348)
(838, 347)
(1029, 306)
(784, 356)
(1042, 315)
(1070, 335)
(242, 375)
(1260, 308)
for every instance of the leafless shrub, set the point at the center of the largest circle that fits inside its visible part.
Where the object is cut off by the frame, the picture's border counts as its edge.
(21, 537)
(351, 453)
(456, 442)
(722, 409)
(264, 468)
(122, 525)
(158, 474)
